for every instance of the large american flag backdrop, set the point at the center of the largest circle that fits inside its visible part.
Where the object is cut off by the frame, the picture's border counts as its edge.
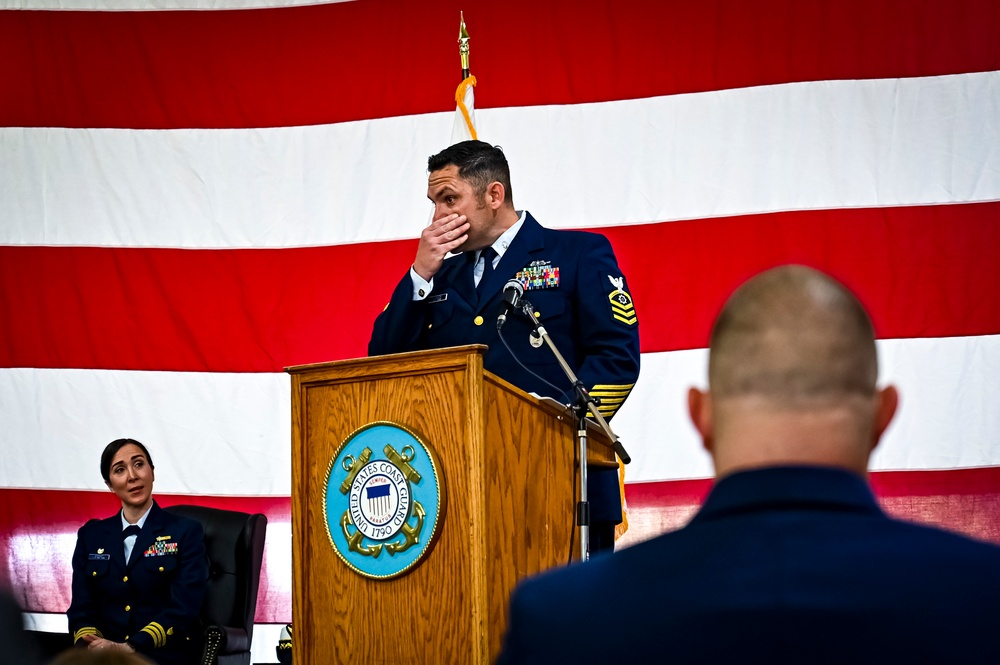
(193, 198)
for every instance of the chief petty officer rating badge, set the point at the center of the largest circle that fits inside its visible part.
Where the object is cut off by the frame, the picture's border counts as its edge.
(382, 500)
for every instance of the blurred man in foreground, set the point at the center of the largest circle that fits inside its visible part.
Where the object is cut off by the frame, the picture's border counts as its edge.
(790, 560)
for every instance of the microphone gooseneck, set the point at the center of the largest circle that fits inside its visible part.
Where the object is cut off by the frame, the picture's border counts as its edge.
(512, 292)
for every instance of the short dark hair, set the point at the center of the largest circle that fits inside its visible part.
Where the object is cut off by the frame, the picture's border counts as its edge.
(112, 448)
(479, 163)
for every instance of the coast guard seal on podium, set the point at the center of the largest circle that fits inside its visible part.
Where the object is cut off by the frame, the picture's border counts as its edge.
(382, 500)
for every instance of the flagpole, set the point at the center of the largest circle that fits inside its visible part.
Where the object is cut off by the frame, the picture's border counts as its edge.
(463, 45)
(465, 123)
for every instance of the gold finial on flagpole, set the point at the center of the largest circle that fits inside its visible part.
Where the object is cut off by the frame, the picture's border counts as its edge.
(463, 45)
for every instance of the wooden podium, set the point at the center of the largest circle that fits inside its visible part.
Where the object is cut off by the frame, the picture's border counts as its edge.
(507, 467)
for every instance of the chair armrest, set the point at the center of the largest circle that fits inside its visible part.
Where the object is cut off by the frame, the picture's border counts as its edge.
(237, 640)
(223, 640)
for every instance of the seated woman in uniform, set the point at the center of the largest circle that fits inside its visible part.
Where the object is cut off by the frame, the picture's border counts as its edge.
(139, 576)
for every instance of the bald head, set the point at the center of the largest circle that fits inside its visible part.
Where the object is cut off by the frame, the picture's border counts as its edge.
(792, 374)
(795, 336)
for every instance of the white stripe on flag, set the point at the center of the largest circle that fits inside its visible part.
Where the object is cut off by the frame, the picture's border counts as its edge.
(208, 433)
(829, 144)
(935, 383)
(229, 434)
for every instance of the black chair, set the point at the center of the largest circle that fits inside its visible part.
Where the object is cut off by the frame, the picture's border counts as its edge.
(235, 545)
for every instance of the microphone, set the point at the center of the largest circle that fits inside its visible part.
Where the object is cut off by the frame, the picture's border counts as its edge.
(512, 292)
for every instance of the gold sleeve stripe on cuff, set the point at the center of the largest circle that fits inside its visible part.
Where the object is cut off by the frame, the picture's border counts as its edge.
(152, 633)
(609, 399)
(611, 395)
(158, 639)
(615, 387)
(156, 631)
(164, 633)
(86, 630)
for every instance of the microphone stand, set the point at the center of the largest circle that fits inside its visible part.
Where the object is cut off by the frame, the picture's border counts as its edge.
(582, 402)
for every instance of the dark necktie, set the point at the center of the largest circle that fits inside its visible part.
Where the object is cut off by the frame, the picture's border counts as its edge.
(131, 530)
(488, 255)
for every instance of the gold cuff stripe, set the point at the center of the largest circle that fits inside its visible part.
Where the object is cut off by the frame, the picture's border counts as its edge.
(606, 414)
(619, 395)
(162, 632)
(152, 633)
(158, 640)
(86, 630)
(609, 404)
(610, 397)
(156, 631)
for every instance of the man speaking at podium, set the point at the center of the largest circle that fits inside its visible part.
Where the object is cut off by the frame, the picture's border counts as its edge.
(570, 277)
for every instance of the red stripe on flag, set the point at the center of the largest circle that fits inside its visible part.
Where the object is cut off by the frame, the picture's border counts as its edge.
(962, 500)
(32, 520)
(667, 493)
(328, 63)
(921, 271)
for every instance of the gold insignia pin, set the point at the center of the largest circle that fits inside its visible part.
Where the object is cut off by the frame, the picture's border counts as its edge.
(100, 550)
(162, 538)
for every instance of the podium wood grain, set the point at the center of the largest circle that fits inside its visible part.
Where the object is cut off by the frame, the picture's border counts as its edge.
(507, 468)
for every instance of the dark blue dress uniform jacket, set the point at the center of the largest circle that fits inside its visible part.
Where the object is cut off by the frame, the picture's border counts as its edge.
(591, 320)
(154, 601)
(784, 565)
